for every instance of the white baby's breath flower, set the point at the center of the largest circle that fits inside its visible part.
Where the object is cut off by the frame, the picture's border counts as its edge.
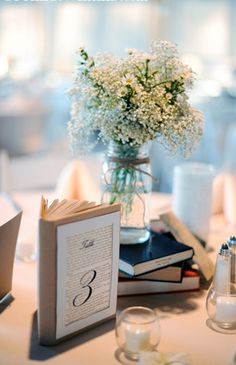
(168, 96)
(121, 92)
(128, 79)
(134, 100)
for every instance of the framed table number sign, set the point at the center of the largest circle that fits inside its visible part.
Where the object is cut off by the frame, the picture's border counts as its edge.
(78, 267)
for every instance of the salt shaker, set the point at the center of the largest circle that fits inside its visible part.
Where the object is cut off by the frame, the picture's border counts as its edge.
(223, 270)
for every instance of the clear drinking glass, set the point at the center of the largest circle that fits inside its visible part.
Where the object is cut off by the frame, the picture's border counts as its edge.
(137, 331)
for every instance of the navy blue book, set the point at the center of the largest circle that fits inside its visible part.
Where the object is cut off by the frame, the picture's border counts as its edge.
(159, 251)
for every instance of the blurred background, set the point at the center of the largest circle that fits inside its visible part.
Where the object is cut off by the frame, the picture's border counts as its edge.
(38, 41)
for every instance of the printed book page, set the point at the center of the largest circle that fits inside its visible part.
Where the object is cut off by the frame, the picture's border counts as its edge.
(58, 209)
(87, 271)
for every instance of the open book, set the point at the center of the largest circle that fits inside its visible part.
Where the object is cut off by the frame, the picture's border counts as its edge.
(78, 267)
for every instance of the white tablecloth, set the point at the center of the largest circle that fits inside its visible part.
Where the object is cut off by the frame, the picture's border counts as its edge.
(182, 316)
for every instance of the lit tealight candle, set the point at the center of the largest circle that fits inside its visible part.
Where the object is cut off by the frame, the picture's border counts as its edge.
(226, 309)
(137, 339)
(137, 331)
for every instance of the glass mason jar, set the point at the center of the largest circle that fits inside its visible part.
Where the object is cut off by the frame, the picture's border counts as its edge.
(127, 180)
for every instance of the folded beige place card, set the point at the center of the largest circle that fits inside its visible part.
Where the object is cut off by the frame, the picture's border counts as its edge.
(10, 218)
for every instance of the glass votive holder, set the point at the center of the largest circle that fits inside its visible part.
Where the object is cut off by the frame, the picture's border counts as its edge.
(137, 331)
(221, 309)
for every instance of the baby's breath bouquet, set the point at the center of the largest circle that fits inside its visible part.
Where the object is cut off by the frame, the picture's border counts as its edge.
(134, 100)
(131, 101)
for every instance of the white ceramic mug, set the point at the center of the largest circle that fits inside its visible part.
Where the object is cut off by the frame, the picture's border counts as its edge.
(192, 196)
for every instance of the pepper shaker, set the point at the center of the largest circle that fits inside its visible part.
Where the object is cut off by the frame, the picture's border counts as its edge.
(232, 247)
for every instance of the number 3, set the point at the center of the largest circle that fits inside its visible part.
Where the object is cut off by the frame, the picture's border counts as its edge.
(85, 281)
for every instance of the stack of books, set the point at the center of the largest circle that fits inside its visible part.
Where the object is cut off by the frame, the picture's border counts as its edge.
(160, 265)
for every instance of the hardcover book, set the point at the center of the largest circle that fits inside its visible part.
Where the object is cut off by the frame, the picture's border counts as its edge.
(77, 267)
(133, 286)
(159, 251)
(169, 273)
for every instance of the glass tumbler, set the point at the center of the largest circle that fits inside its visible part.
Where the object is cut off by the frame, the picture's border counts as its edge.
(192, 196)
(137, 331)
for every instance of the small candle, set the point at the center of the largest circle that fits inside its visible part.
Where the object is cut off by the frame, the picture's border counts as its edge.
(137, 331)
(226, 309)
(137, 339)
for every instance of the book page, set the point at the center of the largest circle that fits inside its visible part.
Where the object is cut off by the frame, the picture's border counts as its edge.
(87, 271)
(63, 208)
